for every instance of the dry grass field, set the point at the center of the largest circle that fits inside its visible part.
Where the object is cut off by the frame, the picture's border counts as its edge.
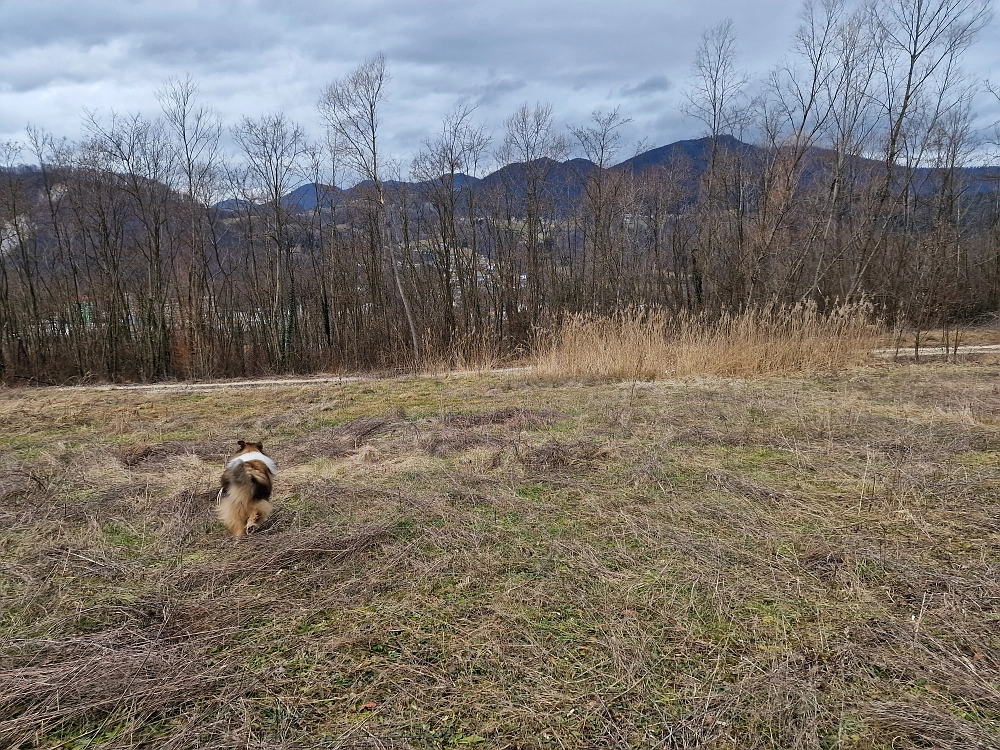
(509, 561)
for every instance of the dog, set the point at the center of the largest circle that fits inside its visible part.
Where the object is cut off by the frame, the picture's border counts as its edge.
(245, 498)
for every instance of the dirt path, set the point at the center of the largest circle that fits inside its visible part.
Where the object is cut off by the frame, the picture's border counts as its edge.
(223, 385)
(935, 351)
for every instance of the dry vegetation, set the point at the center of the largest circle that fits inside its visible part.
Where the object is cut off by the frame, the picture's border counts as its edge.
(503, 561)
(637, 344)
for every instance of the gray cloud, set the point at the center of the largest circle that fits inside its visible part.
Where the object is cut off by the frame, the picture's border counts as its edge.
(494, 91)
(251, 57)
(652, 85)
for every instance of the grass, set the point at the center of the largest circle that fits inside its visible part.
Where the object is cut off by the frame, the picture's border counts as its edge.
(650, 344)
(510, 561)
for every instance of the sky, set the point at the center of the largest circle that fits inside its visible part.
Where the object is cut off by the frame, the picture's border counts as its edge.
(61, 58)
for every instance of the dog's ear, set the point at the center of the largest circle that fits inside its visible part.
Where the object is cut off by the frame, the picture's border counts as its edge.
(260, 446)
(242, 444)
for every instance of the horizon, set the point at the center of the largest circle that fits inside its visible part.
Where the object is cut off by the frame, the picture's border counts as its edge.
(499, 167)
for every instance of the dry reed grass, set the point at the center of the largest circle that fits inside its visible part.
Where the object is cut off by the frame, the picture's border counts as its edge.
(469, 352)
(649, 344)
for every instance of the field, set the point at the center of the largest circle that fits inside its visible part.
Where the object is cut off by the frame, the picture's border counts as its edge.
(507, 561)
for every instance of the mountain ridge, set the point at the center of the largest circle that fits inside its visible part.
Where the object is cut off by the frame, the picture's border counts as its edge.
(566, 180)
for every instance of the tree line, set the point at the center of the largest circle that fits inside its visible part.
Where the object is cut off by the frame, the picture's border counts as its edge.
(146, 251)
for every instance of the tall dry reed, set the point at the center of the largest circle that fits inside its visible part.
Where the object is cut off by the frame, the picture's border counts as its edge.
(472, 351)
(656, 343)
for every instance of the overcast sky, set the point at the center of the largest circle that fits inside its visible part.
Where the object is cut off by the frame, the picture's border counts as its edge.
(58, 58)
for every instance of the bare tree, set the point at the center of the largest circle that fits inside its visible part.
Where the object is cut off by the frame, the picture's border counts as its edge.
(350, 108)
(532, 143)
(443, 169)
(717, 96)
(196, 133)
(600, 142)
(918, 39)
(275, 149)
(136, 153)
(918, 47)
(853, 121)
(119, 258)
(797, 114)
(13, 227)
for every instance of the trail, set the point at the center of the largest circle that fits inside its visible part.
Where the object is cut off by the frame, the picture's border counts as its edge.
(236, 385)
(935, 351)
(278, 382)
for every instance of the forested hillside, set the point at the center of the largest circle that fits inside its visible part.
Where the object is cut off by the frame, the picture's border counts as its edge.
(853, 172)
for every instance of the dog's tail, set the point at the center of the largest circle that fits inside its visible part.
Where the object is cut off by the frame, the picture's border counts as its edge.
(234, 498)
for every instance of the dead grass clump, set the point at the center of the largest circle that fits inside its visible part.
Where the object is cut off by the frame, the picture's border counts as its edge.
(743, 487)
(186, 512)
(449, 442)
(642, 344)
(457, 433)
(16, 486)
(64, 558)
(566, 454)
(336, 442)
(132, 456)
(463, 498)
(925, 724)
(24, 493)
(112, 499)
(472, 351)
(966, 669)
(510, 417)
(266, 553)
(120, 681)
(772, 705)
(824, 563)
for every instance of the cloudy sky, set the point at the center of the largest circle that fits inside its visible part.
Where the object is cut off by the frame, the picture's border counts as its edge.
(59, 58)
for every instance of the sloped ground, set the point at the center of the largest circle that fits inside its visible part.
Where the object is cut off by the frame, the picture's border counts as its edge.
(500, 562)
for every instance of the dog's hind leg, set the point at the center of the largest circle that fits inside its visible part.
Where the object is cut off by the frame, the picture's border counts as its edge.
(259, 513)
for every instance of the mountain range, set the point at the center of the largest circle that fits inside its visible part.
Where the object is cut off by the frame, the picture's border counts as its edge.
(567, 179)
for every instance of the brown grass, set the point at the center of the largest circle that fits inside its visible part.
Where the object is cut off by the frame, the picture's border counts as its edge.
(649, 344)
(469, 352)
(773, 564)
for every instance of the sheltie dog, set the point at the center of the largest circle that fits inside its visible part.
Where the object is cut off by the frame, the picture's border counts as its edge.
(245, 498)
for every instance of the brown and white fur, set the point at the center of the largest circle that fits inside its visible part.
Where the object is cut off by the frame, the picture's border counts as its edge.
(245, 497)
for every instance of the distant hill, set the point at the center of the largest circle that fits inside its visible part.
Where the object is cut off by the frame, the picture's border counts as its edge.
(307, 197)
(461, 180)
(232, 204)
(697, 152)
(982, 179)
(565, 181)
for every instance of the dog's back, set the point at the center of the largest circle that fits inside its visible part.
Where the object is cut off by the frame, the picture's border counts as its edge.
(244, 501)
